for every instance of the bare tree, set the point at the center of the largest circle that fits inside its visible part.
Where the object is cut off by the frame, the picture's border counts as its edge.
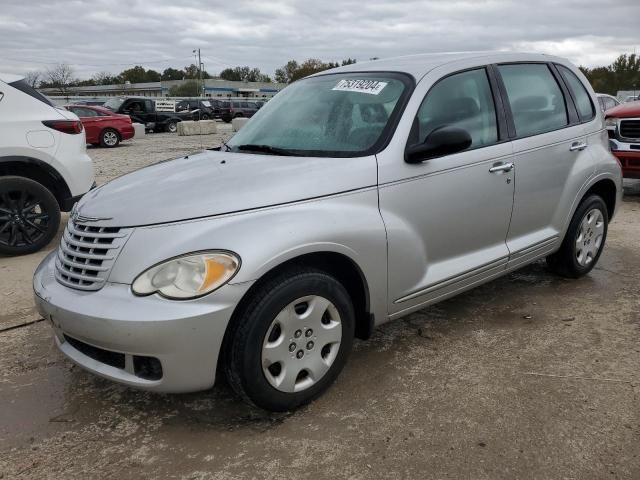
(60, 77)
(33, 78)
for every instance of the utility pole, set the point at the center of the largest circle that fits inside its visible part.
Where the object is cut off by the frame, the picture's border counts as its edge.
(200, 72)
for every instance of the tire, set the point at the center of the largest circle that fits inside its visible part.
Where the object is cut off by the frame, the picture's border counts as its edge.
(29, 216)
(205, 117)
(584, 240)
(171, 126)
(257, 337)
(109, 138)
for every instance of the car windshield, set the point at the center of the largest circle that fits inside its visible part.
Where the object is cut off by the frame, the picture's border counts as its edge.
(113, 103)
(339, 115)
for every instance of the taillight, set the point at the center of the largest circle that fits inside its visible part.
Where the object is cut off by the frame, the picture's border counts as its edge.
(65, 126)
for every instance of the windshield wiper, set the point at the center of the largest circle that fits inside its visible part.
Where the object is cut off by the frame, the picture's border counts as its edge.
(250, 147)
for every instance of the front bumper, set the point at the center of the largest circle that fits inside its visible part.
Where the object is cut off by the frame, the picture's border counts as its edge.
(184, 336)
(628, 154)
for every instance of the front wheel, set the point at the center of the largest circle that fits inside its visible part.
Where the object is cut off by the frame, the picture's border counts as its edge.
(584, 241)
(29, 216)
(291, 341)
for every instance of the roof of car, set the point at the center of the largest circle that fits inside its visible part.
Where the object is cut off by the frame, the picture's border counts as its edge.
(10, 78)
(97, 108)
(419, 65)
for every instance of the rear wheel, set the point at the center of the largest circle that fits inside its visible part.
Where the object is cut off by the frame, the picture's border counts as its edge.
(29, 216)
(171, 126)
(291, 340)
(584, 241)
(205, 116)
(109, 138)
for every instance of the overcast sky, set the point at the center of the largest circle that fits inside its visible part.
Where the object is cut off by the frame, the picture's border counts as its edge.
(110, 35)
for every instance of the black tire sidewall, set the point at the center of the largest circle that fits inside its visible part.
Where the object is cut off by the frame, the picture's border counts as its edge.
(248, 364)
(102, 134)
(568, 250)
(168, 127)
(48, 203)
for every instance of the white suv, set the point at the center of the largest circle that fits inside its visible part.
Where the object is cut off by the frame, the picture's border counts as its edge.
(44, 167)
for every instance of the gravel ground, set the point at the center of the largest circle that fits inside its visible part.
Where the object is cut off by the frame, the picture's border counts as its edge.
(528, 377)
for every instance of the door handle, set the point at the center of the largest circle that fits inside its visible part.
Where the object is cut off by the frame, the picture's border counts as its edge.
(503, 167)
(577, 146)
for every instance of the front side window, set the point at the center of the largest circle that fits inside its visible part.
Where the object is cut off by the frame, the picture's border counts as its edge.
(537, 103)
(338, 115)
(462, 100)
(580, 94)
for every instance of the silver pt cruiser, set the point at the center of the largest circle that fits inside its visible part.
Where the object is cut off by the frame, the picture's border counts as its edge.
(354, 197)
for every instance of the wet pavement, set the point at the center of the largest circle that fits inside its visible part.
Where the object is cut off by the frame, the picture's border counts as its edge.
(530, 376)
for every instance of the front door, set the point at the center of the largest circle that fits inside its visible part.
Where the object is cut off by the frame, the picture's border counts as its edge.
(447, 219)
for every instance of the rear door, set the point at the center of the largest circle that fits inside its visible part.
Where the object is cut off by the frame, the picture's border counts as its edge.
(90, 121)
(549, 145)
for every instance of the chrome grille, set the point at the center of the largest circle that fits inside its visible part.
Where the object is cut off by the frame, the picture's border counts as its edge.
(630, 128)
(87, 253)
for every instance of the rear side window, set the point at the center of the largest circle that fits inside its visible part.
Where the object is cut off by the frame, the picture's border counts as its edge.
(24, 87)
(579, 92)
(84, 112)
(462, 100)
(536, 101)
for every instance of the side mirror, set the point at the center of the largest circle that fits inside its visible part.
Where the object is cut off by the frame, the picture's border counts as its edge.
(442, 141)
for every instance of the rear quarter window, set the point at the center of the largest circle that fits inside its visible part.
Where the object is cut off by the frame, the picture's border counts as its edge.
(24, 87)
(584, 105)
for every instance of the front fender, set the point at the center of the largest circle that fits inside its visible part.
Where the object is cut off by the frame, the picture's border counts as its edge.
(348, 224)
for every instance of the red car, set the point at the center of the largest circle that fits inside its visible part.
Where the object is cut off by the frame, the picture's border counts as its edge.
(103, 127)
(623, 123)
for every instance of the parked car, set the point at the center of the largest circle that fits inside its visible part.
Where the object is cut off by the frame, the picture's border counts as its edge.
(102, 126)
(358, 196)
(239, 108)
(623, 125)
(97, 103)
(607, 102)
(143, 110)
(200, 109)
(631, 98)
(44, 167)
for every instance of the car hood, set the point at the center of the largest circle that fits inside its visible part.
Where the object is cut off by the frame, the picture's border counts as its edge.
(626, 110)
(215, 183)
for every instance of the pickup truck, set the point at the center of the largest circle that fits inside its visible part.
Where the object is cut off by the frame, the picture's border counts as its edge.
(143, 110)
(623, 124)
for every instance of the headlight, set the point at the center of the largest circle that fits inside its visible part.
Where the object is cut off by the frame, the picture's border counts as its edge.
(611, 122)
(189, 276)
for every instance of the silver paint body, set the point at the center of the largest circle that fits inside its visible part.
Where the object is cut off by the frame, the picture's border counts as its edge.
(419, 233)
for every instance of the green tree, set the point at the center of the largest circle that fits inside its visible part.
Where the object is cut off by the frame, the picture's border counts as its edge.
(172, 74)
(244, 74)
(153, 76)
(190, 88)
(136, 74)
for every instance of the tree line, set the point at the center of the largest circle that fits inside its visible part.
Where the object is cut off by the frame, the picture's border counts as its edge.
(622, 74)
(62, 77)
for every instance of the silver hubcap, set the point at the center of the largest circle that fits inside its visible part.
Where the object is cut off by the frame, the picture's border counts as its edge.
(110, 138)
(301, 344)
(590, 235)
(172, 127)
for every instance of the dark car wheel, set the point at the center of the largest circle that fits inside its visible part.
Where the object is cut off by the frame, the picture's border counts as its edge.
(29, 216)
(171, 126)
(584, 241)
(291, 340)
(205, 116)
(109, 138)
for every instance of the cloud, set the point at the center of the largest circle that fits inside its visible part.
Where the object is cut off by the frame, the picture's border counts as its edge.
(110, 35)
